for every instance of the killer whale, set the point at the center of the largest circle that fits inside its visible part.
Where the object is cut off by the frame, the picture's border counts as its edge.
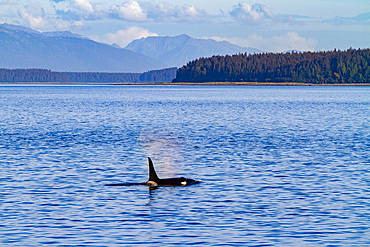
(155, 181)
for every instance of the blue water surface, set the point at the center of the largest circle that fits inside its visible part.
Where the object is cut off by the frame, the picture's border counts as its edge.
(280, 166)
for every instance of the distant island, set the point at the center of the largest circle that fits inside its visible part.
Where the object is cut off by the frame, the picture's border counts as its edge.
(48, 76)
(324, 67)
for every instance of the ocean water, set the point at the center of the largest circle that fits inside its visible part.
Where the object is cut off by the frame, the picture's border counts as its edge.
(280, 166)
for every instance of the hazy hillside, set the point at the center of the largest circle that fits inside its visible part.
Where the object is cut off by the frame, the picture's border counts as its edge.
(45, 75)
(22, 47)
(177, 51)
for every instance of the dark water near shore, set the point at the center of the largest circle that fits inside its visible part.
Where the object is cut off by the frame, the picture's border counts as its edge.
(280, 166)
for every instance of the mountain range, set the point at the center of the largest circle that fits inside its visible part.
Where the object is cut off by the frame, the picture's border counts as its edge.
(23, 48)
(177, 51)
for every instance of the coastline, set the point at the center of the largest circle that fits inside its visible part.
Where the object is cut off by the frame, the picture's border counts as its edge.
(244, 84)
(189, 83)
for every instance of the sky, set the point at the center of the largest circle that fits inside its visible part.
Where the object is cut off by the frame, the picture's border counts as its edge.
(268, 25)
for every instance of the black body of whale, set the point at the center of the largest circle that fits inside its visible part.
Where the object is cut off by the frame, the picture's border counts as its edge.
(155, 181)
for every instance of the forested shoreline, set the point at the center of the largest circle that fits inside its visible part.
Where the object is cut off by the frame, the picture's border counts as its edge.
(44, 75)
(325, 67)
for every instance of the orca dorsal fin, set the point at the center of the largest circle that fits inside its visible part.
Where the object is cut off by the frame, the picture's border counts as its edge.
(152, 174)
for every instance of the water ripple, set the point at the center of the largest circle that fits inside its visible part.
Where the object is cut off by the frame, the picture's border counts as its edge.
(279, 166)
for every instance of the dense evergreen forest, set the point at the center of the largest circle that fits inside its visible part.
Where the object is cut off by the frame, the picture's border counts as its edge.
(43, 75)
(351, 66)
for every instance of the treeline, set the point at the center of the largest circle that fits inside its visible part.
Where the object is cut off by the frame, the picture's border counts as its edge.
(351, 66)
(44, 75)
(163, 75)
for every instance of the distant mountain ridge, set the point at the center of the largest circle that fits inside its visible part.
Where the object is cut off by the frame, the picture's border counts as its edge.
(178, 50)
(63, 51)
(22, 47)
(17, 28)
(64, 34)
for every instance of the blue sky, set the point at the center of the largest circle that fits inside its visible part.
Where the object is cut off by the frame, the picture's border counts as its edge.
(269, 25)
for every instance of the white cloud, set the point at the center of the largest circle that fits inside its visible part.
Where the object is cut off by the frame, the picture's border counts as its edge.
(33, 14)
(191, 11)
(125, 36)
(362, 19)
(131, 11)
(285, 42)
(35, 9)
(170, 13)
(254, 14)
(8, 2)
(128, 11)
(33, 21)
(66, 25)
(79, 10)
(83, 5)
